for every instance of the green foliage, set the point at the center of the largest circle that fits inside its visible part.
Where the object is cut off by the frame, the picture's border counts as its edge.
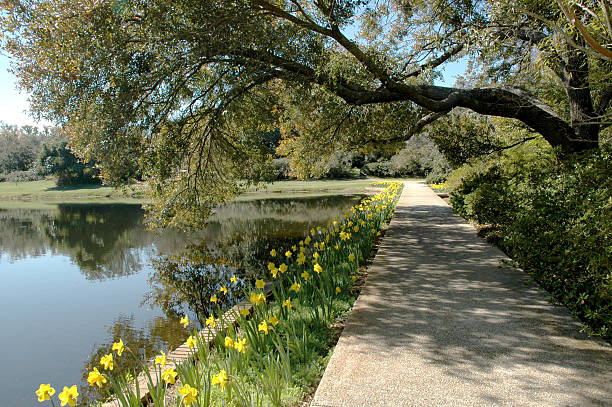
(554, 218)
(19, 150)
(419, 158)
(58, 160)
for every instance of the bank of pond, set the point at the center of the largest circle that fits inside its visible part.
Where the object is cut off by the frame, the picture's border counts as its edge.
(74, 278)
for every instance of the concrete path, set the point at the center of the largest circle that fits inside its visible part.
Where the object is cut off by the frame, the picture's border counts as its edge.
(440, 323)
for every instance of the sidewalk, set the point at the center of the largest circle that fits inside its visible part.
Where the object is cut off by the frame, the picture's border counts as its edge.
(439, 323)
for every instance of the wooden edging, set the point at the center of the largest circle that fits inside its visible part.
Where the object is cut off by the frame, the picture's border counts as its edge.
(184, 352)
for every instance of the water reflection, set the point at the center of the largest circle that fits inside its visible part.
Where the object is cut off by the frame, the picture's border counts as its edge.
(78, 275)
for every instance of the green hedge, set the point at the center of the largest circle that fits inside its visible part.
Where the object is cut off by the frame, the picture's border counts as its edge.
(554, 218)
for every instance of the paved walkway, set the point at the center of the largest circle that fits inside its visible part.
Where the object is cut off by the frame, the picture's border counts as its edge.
(439, 323)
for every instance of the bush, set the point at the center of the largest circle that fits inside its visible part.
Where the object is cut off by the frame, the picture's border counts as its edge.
(419, 158)
(553, 218)
(21, 176)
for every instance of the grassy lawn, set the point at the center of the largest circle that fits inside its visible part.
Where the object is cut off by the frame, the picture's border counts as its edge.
(48, 192)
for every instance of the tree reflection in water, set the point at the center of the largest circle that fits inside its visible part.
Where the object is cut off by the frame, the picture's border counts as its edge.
(110, 241)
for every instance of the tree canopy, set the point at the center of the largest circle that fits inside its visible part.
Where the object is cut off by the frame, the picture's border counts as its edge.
(184, 89)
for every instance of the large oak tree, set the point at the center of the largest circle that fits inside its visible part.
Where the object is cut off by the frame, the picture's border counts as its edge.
(183, 88)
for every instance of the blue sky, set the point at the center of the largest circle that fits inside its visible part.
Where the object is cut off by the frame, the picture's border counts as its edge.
(14, 105)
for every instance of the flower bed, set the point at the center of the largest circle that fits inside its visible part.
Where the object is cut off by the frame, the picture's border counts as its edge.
(271, 352)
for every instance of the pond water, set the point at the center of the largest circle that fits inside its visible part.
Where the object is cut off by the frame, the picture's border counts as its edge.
(76, 277)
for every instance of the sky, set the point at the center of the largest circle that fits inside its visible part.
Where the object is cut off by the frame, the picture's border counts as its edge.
(14, 105)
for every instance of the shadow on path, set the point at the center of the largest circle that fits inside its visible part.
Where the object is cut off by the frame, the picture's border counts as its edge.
(441, 322)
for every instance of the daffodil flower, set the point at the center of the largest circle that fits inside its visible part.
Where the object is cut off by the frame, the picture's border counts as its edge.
(273, 320)
(305, 275)
(224, 290)
(260, 284)
(185, 321)
(263, 327)
(338, 290)
(169, 375)
(96, 378)
(228, 342)
(233, 279)
(69, 396)
(240, 345)
(213, 298)
(245, 312)
(295, 287)
(287, 303)
(282, 268)
(220, 379)
(118, 347)
(44, 392)
(210, 321)
(317, 268)
(191, 342)
(161, 359)
(107, 361)
(189, 394)
(273, 253)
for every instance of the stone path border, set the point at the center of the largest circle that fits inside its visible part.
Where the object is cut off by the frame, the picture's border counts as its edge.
(440, 322)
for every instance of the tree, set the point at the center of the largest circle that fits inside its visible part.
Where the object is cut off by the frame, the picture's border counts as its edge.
(176, 87)
(57, 159)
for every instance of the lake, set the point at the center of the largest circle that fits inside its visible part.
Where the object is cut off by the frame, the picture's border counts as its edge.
(76, 277)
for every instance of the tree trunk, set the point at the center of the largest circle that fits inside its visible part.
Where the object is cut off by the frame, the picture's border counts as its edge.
(582, 114)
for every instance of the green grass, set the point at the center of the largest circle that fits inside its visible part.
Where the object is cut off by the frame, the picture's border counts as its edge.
(48, 192)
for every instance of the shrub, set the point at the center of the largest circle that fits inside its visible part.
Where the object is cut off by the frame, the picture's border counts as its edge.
(554, 219)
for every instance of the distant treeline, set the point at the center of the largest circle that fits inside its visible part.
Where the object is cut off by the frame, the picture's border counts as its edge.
(28, 153)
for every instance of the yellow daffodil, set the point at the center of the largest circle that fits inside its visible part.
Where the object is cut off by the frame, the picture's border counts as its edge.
(240, 345)
(271, 266)
(169, 375)
(228, 342)
(316, 255)
(69, 396)
(118, 347)
(260, 284)
(273, 320)
(354, 278)
(351, 257)
(189, 394)
(322, 246)
(95, 377)
(274, 272)
(301, 243)
(288, 254)
(263, 327)
(287, 303)
(161, 359)
(307, 241)
(210, 321)
(317, 268)
(312, 231)
(302, 248)
(223, 290)
(255, 298)
(273, 253)
(338, 290)
(305, 275)
(301, 259)
(44, 392)
(294, 247)
(233, 279)
(245, 312)
(316, 245)
(282, 268)
(220, 379)
(185, 321)
(337, 247)
(213, 298)
(107, 361)
(191, 342)
(295, 287)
